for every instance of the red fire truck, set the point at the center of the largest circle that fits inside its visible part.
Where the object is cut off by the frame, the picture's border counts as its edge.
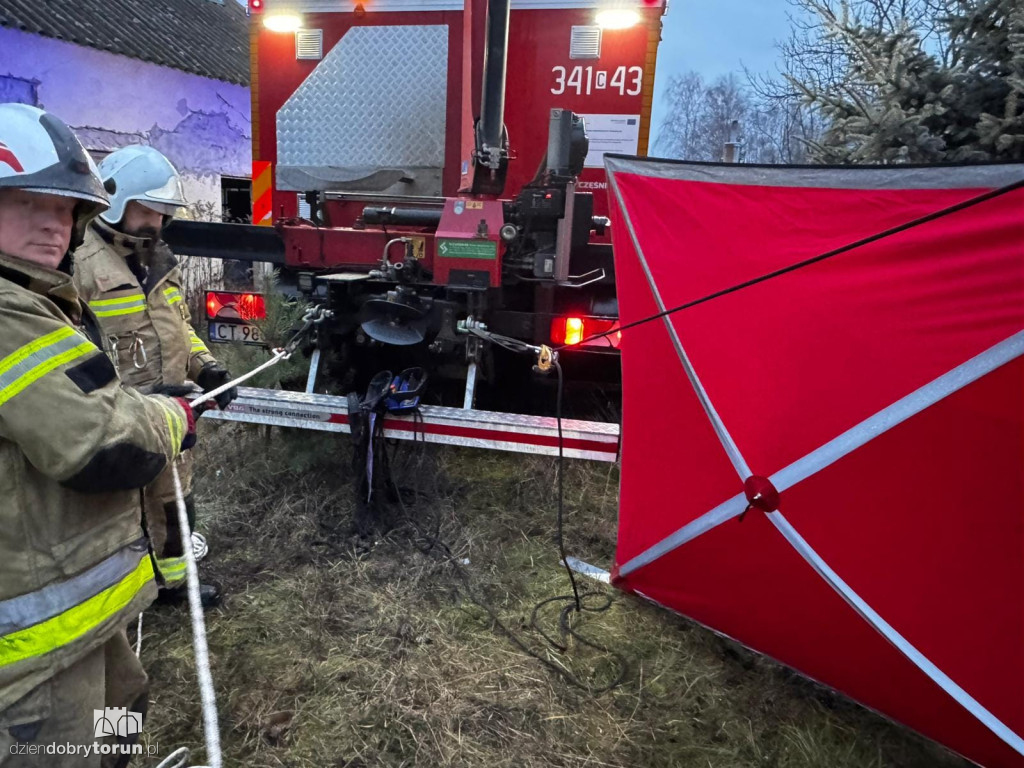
(421, 164)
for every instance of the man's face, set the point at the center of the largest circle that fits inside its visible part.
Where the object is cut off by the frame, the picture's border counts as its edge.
(36, 227)
(140, 221)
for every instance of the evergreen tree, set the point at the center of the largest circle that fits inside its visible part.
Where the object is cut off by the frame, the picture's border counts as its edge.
(899, 92)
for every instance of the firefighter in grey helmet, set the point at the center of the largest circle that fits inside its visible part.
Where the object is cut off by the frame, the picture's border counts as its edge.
(131, 280)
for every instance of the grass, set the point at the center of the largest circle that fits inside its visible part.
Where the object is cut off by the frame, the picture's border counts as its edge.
(336, 651)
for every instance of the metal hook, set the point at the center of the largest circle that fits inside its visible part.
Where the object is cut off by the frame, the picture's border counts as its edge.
(113, 355)
(136, 348)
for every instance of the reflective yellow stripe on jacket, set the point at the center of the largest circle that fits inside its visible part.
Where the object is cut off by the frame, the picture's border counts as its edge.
(175, 423)
(173, 294)
(172, 569)
(123, 305)
(197, 343)
(43, 621)
(29, 363)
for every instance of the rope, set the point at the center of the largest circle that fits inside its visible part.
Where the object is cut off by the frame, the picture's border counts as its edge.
(970, 202)
(279, 355)
(194, 551)
(177, 759)
(206, 693)
(199, 546)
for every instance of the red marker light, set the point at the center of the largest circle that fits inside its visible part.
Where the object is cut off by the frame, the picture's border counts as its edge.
(213, 306)
(573, 330)
(567, 330)
(255, 6)
(235, 306)
(251, 306)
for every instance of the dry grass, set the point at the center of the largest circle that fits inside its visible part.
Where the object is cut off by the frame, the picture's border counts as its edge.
(333, 651)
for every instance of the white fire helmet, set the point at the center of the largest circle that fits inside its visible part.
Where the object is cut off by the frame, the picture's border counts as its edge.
(141, 173)
(39, 153)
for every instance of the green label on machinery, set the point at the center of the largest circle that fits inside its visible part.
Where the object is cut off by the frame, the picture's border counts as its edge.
(467, 249)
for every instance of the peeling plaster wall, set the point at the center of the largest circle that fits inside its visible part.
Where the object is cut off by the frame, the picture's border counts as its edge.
(203, 126)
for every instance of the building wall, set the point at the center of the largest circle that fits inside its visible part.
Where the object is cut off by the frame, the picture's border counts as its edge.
(203, 126)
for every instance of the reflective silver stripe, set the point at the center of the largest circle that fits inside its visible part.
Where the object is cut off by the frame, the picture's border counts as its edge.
(27, 610)
(887, 418)
(727, 510)
(724, 437)
(919, 660)
(855, 437)
(578, 566)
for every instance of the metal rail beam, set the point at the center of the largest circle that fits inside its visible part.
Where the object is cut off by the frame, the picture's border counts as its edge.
(593, 440)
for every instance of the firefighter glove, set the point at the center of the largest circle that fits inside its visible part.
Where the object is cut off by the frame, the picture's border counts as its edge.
(190, 419)
(175, 390)
(212, 376)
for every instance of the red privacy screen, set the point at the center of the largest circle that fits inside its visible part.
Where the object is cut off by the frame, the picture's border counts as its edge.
(833, 472)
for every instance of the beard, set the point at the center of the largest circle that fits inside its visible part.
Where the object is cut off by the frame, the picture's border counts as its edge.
(149, 232)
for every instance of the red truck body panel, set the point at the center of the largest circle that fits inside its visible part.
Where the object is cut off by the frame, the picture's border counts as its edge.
(613, 91)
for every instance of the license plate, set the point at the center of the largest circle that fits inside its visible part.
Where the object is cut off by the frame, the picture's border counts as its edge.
(227, 332)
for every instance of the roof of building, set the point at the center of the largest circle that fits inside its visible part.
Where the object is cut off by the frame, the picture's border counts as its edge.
(204, 37)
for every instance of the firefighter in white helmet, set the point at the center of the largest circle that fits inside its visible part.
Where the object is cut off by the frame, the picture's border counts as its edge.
(75, 447)
(131, 281)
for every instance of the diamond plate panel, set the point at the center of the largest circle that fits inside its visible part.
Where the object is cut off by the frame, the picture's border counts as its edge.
(373, 109)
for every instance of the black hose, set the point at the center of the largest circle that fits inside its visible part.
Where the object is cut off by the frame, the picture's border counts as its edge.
(403, 217)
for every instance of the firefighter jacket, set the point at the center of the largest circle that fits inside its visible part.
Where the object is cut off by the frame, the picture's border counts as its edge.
(134, 286)
(75, 446)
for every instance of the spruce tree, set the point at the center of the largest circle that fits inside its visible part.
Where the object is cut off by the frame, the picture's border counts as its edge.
(900, 98)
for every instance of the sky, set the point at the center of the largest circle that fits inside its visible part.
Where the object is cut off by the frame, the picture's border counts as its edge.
(716, 37)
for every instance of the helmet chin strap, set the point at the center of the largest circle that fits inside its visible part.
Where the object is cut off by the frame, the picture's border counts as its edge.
(67, 264)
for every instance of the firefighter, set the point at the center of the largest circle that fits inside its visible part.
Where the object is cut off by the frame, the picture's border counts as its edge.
(75, 447)
(131, 280)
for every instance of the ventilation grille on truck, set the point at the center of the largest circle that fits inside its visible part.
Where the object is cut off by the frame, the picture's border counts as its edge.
(585, 43)
(309, 44)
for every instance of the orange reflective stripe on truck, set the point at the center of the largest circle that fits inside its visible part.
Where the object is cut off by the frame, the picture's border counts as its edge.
(262, 192)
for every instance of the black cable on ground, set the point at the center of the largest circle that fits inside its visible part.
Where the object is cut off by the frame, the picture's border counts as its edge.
(560, 471)
(576, 602)
(565, 629)
(969, 203)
